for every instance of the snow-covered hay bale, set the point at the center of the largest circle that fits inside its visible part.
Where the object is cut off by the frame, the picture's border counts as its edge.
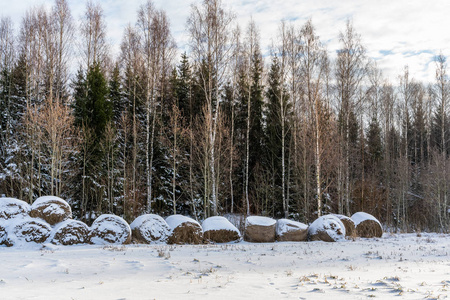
(2, 233)
(288, 230)
(69, 232)
(260, 229)
(150, 228)
(220, 230)
(51, 209)
(184, 230)
(26, 230)
(326, 228)
(110, 229)
(350, 228)
(12, 207)
(367, 226)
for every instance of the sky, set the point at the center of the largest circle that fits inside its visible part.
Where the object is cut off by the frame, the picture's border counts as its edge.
(395, 33)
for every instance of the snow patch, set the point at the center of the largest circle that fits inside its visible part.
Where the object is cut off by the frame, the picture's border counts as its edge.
(12, 207)
(259, 221)
(176, 220)
(218, 223)
(284, 226)
(362, 216)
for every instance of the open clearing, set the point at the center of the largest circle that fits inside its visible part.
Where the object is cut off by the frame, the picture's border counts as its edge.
(403, 266)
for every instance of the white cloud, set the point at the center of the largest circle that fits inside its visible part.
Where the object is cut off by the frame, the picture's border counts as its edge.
(395, 32)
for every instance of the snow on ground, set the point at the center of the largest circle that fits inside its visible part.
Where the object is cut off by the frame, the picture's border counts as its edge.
(406, 266)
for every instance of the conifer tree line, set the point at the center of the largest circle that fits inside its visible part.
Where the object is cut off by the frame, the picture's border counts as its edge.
(220, 129)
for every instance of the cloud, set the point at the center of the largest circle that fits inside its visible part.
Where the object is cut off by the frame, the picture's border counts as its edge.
(395, 33)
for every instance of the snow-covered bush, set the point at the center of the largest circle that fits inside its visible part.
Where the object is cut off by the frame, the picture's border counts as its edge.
(288, 230)
(259, 229)
(110, 229)
(26, 230)
(2, 232)
(350, 229)
(12, 207)
(150, 228)
(69, 232)
(184, 230)
(220, 230)
(367, 225)
(326, 228)
(51, 209)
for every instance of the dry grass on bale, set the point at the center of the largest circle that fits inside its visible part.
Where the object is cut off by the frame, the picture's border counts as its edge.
(186, 233)
(221, 236)
(260, 234)
(102, 233)
(296, 235)
(71, 233)
(52, 211)
(29, 230)
(369, 229)
(322, 236)
(350, 228)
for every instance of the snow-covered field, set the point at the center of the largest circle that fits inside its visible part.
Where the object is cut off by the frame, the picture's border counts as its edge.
(404, 266)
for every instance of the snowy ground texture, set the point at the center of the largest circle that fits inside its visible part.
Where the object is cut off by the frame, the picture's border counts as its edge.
(404, 266)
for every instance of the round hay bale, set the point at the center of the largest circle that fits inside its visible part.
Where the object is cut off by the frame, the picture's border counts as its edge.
(292, 231)
(326, 228)
(220, 230)
(367, 226)
(150, 228)
(184, 230)
(51, 209)
(12, 207)
(2, 233)
(350, 228)
(69, 232)
(26, 230)
(110, 229)
(260, 229)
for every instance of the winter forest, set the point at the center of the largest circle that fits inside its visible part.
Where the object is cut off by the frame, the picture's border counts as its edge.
(220, 129)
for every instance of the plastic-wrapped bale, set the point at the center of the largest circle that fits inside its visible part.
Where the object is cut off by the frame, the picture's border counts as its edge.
(184, 230)
(12, 207)
(149, 229)
(220, 230)
(260, 229)
(69, 232)
(26, 230)
(51, 209)
(326, 228)
(110, 229)
(367, 226)
(350, 228)
(288, 230)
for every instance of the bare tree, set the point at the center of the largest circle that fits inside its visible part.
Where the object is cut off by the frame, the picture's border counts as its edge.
(210, 32)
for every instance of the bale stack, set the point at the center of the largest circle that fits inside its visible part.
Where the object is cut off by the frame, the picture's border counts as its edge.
(11, 208)
(184, 230)
(350, 228)
(292, 231)
(220, 230)
(69, 232)
(110, 229)
(149, 229)
(260, 229)
(367, 226)
(326, 228)
(51, 209)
